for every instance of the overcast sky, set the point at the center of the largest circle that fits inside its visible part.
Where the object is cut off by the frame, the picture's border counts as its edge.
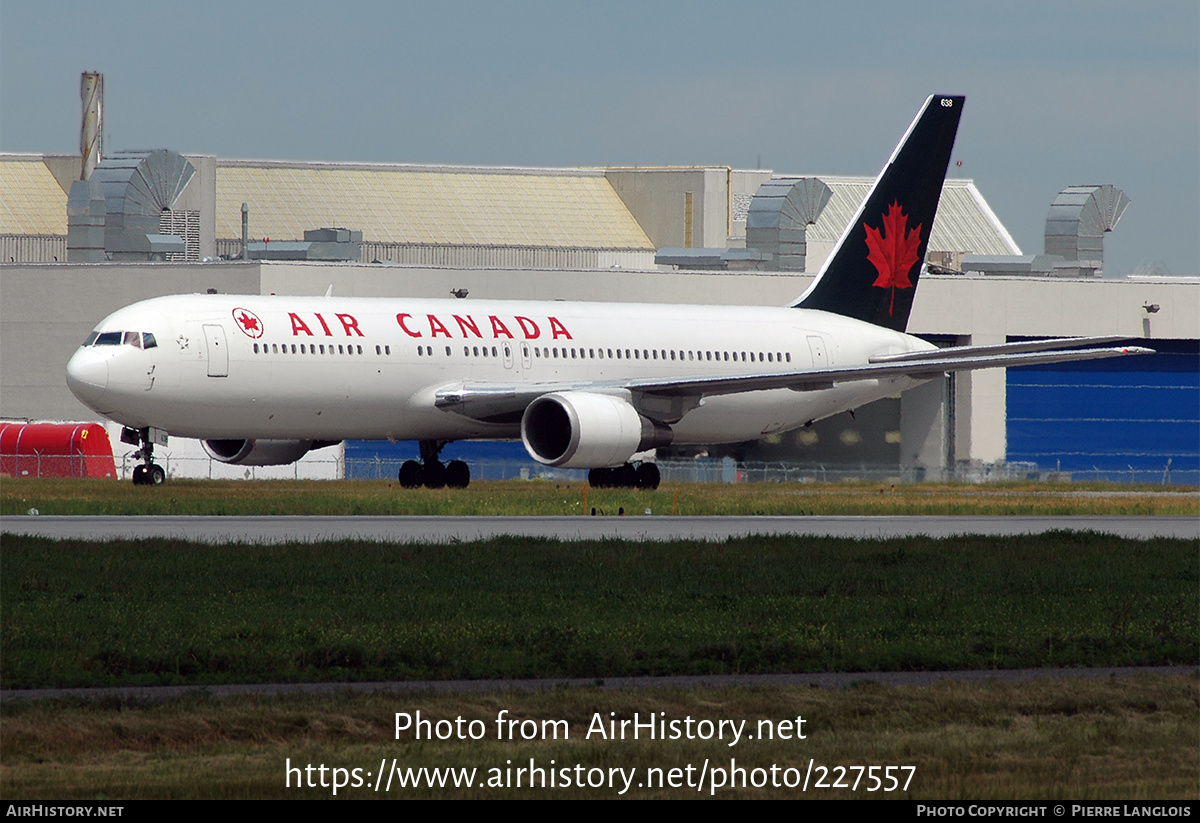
(1058, 93)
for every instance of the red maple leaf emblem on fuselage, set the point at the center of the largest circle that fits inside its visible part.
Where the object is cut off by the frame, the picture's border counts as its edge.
(248, 322)
(893, 251)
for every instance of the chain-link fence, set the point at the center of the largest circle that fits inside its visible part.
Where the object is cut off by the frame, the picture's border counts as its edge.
(705, 470)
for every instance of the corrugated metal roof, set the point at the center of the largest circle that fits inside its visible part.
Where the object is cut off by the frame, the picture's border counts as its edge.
(964, 222)
(419, 205)
(31, 201)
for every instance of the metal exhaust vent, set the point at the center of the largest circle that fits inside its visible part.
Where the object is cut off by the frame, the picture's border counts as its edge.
(1076, 224)
(782, 210)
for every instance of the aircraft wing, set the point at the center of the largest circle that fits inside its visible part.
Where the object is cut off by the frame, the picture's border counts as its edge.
(506, 403)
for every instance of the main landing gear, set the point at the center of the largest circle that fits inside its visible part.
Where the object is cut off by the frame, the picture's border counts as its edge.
(431, 472)
(149, 473)
(643, 476)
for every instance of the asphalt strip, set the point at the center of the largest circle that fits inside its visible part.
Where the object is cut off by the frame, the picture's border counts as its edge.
(813, 681)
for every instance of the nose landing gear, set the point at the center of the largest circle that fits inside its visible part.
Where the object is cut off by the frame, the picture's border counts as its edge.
(431, 472)
(149, 473)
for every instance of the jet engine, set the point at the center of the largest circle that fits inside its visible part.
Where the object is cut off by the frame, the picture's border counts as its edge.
(262, 452)
(575, 429)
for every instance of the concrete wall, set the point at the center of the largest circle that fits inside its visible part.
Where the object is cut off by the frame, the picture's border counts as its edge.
(657, 199)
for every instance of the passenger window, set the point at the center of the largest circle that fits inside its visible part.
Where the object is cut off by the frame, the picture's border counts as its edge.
(256, 348)
(447, 351)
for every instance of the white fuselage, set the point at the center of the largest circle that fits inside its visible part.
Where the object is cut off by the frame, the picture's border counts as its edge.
(333, 368)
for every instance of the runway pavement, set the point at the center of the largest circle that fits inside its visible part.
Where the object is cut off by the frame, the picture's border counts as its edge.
(814, 680)
(212, 529)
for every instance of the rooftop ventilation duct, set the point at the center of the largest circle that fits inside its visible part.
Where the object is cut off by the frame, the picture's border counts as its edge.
(782, 210)
(139, 188)
(1076, 224)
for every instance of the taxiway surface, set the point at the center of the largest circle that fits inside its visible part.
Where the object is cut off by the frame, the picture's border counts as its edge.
(213, 529)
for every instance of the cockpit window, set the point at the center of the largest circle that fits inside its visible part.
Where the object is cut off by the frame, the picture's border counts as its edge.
(137, 339)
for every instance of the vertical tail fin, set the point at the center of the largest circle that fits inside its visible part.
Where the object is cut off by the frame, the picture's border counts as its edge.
(872, 273)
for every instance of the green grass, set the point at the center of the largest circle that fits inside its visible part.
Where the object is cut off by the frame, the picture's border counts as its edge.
(1110, 739)
(172, 612)
(280, 497)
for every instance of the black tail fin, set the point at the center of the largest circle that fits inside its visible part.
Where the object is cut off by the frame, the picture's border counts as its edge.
(872, 273)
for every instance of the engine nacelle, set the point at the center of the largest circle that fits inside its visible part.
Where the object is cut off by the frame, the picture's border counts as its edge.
(581, 430)
(262, 452)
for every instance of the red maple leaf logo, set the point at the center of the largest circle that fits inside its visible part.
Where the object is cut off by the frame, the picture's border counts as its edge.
(248, 322)
(893, 251)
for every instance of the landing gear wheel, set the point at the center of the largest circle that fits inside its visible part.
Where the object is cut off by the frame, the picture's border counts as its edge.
(647, 476)
(458, 474)
(154, 475)
(434, 475)
(139, 475)
(410, 474)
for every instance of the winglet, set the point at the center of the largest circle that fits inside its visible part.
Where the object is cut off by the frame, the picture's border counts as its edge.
(872, 272)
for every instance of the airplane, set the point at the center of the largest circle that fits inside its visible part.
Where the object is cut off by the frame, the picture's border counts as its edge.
(262, 380)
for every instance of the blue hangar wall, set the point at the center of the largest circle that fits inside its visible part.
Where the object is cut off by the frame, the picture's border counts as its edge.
(1111, 418)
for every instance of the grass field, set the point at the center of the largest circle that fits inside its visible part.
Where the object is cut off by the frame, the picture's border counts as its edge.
(515, 497)
(1113, 739)
(156, 612)
(171, 612)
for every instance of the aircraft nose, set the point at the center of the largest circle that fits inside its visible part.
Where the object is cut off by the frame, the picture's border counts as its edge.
(87, 376)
